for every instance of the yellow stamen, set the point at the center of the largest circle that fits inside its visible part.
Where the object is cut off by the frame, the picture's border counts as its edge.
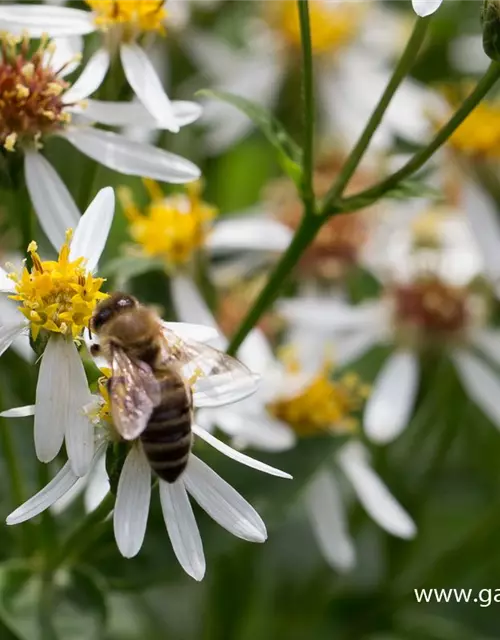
(57, 295)
(173, 227)
(10, 142)
(134, 16)
(323, 405)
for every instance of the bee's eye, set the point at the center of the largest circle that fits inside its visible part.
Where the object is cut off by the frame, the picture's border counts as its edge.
(101, 318)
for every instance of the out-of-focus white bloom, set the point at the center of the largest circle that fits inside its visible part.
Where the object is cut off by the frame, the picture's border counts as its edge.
(223, 503)
(354, 46)
(307, 402)
(56, 300)
(426, 7)
(430, 301)
(121, 23)
(43, 106)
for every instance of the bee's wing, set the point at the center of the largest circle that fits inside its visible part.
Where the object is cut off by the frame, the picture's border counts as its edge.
(134, 392)
(215, 377)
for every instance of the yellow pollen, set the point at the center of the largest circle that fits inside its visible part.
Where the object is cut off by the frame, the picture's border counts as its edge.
(333, 24)
(57, 295)
(22, 91)
(134, 16)
(10, 142)
(28, 70)
(104, 413)
(172, 227)
(479, 134)
(324, 405)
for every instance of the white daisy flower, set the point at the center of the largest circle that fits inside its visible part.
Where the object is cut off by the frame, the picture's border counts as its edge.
(354, 45)
(429, 301)
(223, 503)
(306, 402)
(172, 229)
(43, 105)
(121, 23)
(426, 7)
(55, 302)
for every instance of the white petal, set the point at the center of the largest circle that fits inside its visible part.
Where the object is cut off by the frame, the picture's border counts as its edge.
(372, 492)
(56, 488)
(90, 78)
(61, 394)
(131, 158)
(249, 233)
(132, 503)
(255, 430)
(64, 59)
(52, 201)
(93, 229)
(69, 497)
(351, 347)
(143, 79)
(8, 334)
(332, 314)
(390, 404)
(223, 503)
(188, 302)
(481, 383)
(10, 317)
(121, 114)
(483, 221)
(6, 284)
(256, 353)
(37, 20)
(328, 519)
(19, 412)
(237, 455)
(426, 7)
(189, 331)
(182, 528)
(22, 347)
(97, 484)
(488, 340)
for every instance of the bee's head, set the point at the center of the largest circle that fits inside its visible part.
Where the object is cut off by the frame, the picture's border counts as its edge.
(117, 304)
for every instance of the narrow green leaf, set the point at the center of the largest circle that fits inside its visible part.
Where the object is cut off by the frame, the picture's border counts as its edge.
(289, 153)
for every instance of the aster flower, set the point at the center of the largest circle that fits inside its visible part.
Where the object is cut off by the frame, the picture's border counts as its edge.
(42, 105)
(172, 230)
(352, 66)
(223, 503)
(301, 399)
(55, 300)
(122, 23)
(437, 291)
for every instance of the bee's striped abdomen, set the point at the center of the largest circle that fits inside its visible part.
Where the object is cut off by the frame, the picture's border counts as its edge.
(167, 438)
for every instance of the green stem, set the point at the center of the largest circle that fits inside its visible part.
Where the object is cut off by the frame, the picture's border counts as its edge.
(309, 227)
(77, 541)
(367, 197)
(309, 109)
(400, 72)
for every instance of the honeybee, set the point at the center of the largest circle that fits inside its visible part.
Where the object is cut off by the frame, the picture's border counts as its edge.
(149, 388)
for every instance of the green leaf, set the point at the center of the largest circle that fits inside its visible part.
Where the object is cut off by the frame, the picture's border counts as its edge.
(289, 153)
(73, 606)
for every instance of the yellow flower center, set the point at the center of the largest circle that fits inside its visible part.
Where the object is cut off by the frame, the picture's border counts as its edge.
(30, 92)
(132, 16)
(324, 405)
(57, 295)
(479, 134)
(333, 24)
(171, 228)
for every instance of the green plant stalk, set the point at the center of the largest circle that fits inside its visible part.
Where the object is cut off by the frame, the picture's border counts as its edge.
(78, 539)
(367, 197)
(400, 72)
(309, 227)
(309, 108)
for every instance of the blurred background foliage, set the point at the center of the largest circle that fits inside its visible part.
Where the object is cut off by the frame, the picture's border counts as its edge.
(444, 469)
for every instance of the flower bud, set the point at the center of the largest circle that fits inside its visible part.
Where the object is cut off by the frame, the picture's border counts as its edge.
(490, 18)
